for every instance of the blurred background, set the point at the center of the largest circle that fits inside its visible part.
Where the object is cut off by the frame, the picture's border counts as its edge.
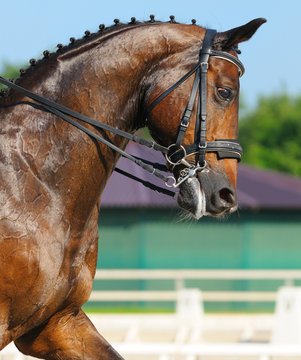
(238, 277)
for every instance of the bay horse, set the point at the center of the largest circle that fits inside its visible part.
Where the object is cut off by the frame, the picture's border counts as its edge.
(53, 174)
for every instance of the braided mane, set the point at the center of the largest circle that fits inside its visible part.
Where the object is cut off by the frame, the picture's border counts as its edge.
(88, 40)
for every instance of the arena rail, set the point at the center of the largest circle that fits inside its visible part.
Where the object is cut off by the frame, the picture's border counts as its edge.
(214, 296)
(161, 351)
(202, 351)
(201, 274)
(179, 276)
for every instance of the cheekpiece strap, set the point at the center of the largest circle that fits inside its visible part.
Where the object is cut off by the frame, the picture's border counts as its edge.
(201, 126)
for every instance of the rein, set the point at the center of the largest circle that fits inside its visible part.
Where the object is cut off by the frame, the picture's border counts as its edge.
(62, 112)
(176, 153)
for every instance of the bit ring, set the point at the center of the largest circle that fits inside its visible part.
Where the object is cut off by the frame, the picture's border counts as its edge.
(167, 157)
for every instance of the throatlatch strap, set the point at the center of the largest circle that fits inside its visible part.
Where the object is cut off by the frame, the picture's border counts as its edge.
(169, 90)
(188, 111)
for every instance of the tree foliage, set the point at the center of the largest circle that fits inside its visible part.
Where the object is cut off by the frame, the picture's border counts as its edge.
(9, 72)
(271, 134)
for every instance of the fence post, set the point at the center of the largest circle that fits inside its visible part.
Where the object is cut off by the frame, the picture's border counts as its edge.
(287, 327)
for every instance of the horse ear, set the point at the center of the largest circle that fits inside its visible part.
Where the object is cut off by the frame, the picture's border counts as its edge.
(226, 40)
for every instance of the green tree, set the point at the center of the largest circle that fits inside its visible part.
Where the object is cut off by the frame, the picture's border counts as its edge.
(9, 72)
(271, 134)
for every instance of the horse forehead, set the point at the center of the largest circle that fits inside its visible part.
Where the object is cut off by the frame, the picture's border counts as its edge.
(223, 70)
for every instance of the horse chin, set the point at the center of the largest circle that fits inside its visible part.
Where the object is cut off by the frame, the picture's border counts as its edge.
(192, 199)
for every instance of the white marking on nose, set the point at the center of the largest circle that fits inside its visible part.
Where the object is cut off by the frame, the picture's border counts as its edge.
(200, 197)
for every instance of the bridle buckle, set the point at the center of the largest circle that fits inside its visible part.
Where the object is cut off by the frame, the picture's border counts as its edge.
(184, 123)
(204, 66)
(203, 146)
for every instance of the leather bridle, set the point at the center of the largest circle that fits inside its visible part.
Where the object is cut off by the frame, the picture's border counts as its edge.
(176, 153)
(226, 148)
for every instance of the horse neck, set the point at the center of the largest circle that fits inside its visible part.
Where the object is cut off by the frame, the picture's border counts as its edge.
(105, 82)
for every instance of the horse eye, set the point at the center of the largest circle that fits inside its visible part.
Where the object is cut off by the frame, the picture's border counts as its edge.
(224, 93)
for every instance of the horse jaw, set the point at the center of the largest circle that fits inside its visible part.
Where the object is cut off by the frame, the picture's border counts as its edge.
(191, 198)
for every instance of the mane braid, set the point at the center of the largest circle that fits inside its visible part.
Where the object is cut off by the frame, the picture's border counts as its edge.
(88, 38)
(77, 44)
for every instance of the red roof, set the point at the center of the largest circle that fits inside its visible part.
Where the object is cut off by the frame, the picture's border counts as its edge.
(256, 188)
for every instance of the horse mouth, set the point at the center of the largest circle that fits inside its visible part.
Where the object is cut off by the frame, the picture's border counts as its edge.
(206, 196)
(192, 198)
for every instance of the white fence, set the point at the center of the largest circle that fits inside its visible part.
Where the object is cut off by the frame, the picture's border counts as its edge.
(163, 351)
(190, 334)
(180, 276)
(205, 351)
(168, 337)
(185, 274)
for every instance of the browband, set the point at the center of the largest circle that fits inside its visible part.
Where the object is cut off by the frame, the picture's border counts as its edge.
(229, 57)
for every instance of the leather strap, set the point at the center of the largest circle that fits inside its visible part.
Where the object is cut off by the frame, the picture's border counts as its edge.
(53, 105)
(62, 112)
(201, 126)
(225, 149)
(146, 183)
(170, 89)
(226, 56)
(189, 108)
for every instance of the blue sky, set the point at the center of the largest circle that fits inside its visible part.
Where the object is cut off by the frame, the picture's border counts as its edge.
(271, 57)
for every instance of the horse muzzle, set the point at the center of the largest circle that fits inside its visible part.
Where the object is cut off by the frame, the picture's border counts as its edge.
(208, 193)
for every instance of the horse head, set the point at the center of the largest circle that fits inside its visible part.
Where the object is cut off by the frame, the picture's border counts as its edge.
(212, 114)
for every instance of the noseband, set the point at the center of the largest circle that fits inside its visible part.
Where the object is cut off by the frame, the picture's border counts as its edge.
(176, 153)
(224, 148)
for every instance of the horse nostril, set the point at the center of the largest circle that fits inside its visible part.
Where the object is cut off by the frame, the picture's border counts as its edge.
(227, 197)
